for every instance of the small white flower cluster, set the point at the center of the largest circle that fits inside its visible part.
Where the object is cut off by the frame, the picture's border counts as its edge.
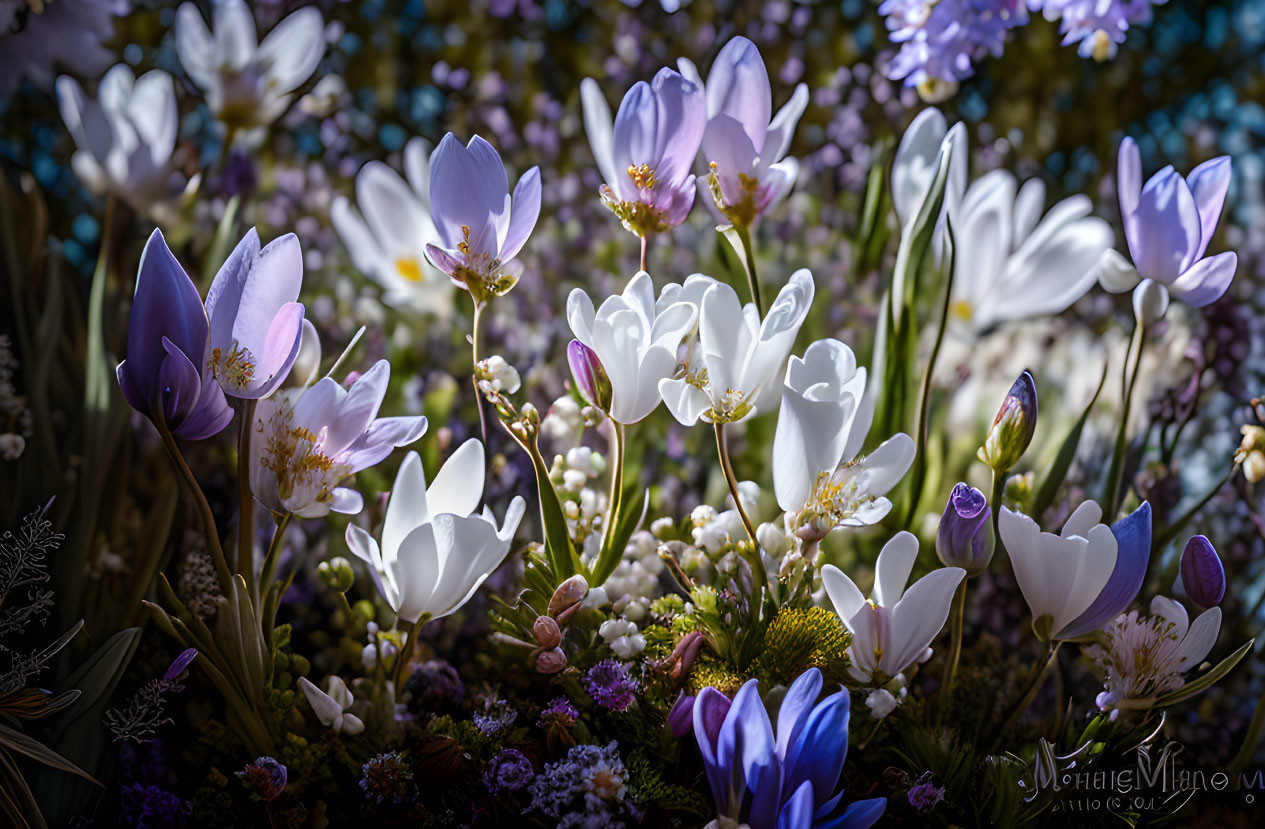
(583, 505)
(635, 582)
(566, 421)
(622, 637)
(716, 532)
(883, 701)
(379, 647)
(495, 374)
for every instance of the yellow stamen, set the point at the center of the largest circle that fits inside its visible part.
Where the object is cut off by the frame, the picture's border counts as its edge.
(409, 268)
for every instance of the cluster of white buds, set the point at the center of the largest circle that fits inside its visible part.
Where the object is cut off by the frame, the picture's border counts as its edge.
(622, 637)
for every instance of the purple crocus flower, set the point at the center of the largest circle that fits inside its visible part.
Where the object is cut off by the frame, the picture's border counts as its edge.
(256, 324)
(590, 376)
(1133, 551)
(306, 444)
(788, 780)
(1202, 573)
(741, 145)
(1168, 224)
(179, 664)
(646, 154)
(965, 538)
(166, 374)
(480, 228)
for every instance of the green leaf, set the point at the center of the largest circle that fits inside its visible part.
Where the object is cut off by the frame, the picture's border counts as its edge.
(16, 800)
(1205, 681)
(222, 243)
(36, 750)
(626, 524)
(558, 547)
(1063, 460)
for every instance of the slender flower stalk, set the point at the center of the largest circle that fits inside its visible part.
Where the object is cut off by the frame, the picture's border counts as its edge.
(199, 497)
(1112, 495)
(245, 500)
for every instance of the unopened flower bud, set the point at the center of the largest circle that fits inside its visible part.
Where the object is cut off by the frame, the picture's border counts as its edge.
(551, 661)
(1013, 427)
(1251, 453)
(965, 538)
(1202, 573)
(1150, 302)
(337, 574)
(546, 631)
(570, 593)
(590, 376)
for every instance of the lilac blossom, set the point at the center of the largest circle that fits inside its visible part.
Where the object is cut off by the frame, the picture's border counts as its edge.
(1099, 26)
(480, 227)
(611, 685)
(509, 771)
(166, 376)
(646, 153)
(256, 323)
(940, 39)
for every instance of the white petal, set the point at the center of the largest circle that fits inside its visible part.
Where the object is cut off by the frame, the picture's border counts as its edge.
(895, 563)
(846, 597)
(458, 486)
(1199, 640)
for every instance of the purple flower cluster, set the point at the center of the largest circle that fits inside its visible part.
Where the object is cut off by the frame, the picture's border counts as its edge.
(585, 788)
(1098, 25)
(388, 780)
(941, 39)
(496, 717)
(611, 685)
(559, 712)
(509, 771)
(925, 795)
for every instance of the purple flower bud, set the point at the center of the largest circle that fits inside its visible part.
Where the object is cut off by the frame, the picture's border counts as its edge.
(681, 717)
(180, 663)
(1013, 427)
(965, 538)
(590, 376)
(1202, 573)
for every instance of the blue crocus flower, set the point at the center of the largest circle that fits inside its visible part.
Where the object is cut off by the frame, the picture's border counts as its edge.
(783, 781)
(1133, 551)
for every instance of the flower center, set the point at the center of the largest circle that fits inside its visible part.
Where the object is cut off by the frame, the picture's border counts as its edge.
(236, 369)
(642, 177)
(409, 268)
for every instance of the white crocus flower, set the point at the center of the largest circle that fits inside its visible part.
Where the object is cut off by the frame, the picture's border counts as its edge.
(635, 343)
(247, 83)
(1144, 657)
(735, 368)
(1059, 575)
(126, 136)
(387, 237)
(436, 550)
(333, 709)
(894, 628)
(1011, 262)
(822, 424)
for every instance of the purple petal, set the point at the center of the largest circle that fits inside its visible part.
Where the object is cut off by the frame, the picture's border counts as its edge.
(860, 815)
(680, 120)
(444, 260)
(225, 295)
(739, 97)
(1206, 280)
(747, 735)
(180, 663)
(796, 707)
(358, 409)
(819, 750)
(1133, 540)
(383, 435)
(468, 189)
(1208, 184)
(711, 709)
(281, 347)
(211, 414)
(635, 126)
(179, 384)
(798, 811)
(524, 212)
(1129, 177)
(1164, 233)
(1202, 573)
(681, 717)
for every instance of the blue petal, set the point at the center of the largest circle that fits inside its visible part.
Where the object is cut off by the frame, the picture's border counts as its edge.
(798, 811)
(711, 709)
(860, 815)
(796, 706)
(1133, 539)
(818, 753)
(748, 735)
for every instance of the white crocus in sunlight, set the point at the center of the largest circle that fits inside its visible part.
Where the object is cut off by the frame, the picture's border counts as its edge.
(735, 368)
(247, 83)
(916, 161)
(307, 441)
(1011, 262)
(635, 343)
(125, 137)
(1059, 575)
(387, 237)
(822, 423)
(743, 148)
(1144, 657)
(436, 550)
(894, 628)
(333, 709)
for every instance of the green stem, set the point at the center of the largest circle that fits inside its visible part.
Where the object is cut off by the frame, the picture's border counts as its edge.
(402, 660)
(722, 449)
(1034, 685)
(924, 399)
(956, 621)
(1171, 531)
(474, 357)
(753, 278)
(645, 241)
(268, 572)
(246, 502)
(607, 557)
(1129, 378)
(208, 518)
(999, 489)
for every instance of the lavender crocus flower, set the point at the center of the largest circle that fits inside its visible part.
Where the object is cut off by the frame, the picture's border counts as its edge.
(36, 37)
(965, 538)
(306, 444)
(166, 376)
(744, 149)
(788, 779)
(256, 325)
(480, 228)
(645, 155)
(1203, 575)
(940, 39)
(1168, 224)
(1133, 551)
